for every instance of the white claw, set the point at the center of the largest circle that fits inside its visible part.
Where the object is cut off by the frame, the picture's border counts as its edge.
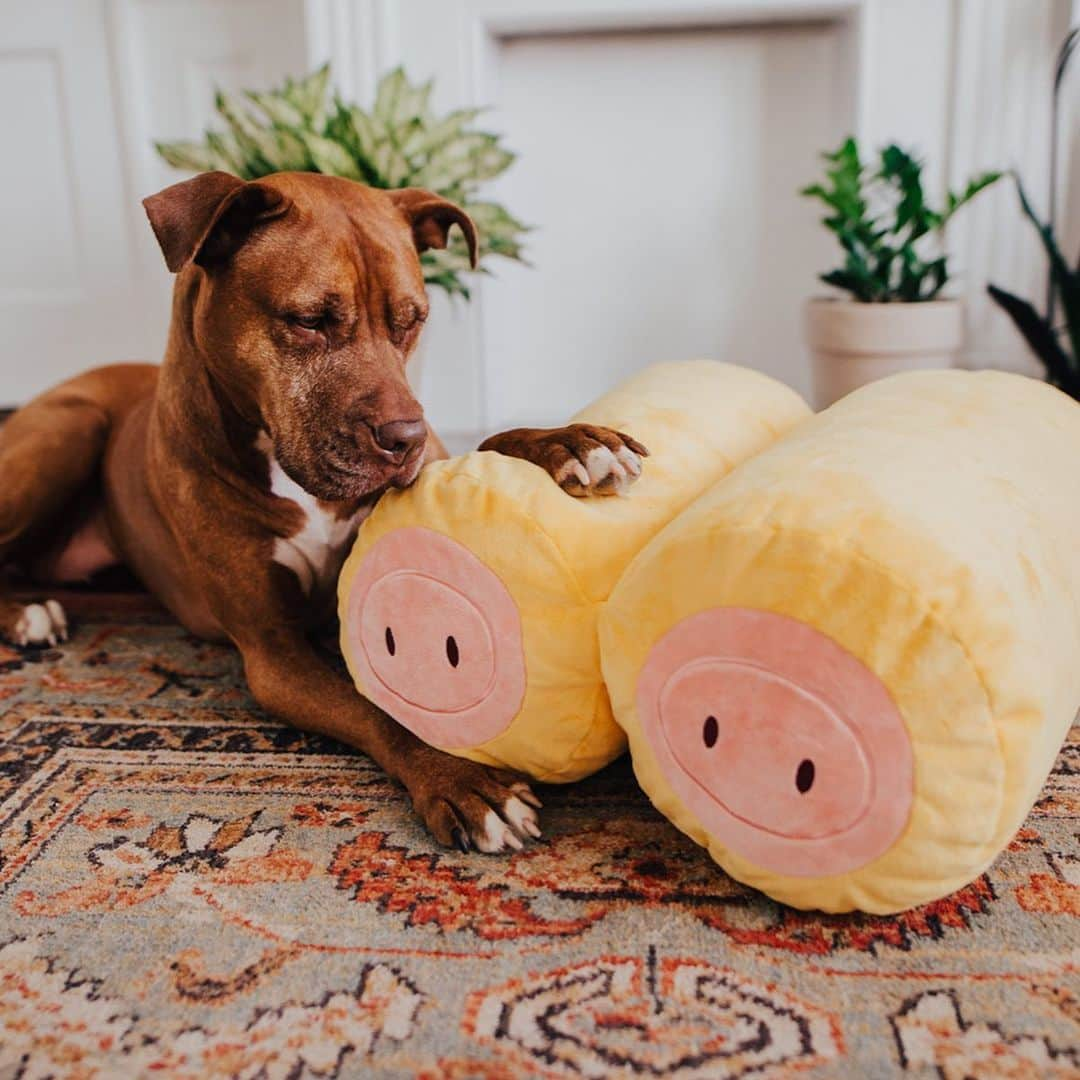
(572, 470)
(629, 461)
(521, 817)
(59, 619)
(489, 840)
(496, 835)
(526, 793)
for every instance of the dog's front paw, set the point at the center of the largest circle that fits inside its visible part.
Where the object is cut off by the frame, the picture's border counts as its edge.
(595, 460)
(471, 806)
(582, 459)
(37, 624)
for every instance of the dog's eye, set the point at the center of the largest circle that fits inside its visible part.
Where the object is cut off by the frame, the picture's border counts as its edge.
(307, 322)
(404, 319)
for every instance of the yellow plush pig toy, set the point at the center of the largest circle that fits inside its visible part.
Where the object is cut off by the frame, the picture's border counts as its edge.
(846, 669)
(469, 604)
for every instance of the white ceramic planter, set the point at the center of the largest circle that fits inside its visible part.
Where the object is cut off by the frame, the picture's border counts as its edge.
(853, 343)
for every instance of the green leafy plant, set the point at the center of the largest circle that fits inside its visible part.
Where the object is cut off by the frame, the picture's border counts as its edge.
(398, 143)
(1061, 360)
(880, 216)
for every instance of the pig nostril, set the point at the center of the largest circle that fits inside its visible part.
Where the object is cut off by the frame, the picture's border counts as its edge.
(391, 647)
(452, 651)
(804, 776)
(710, 732)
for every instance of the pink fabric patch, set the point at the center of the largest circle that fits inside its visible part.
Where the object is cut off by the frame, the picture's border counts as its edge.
(784, 746)
(436, 639)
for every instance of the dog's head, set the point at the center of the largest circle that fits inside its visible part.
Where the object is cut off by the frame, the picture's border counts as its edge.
(304, 295)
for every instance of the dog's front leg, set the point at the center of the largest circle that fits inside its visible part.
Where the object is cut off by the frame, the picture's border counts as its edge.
(461, 802)
(583, 459)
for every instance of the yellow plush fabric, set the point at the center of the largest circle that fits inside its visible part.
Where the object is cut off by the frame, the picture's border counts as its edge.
(556, 557)
(929, 526)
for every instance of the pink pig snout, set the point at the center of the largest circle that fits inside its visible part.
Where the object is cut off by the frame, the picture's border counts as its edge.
(785, 747)
(436, 639)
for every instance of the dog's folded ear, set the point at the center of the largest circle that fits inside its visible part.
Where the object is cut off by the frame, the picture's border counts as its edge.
(431, 217)
(205, 219)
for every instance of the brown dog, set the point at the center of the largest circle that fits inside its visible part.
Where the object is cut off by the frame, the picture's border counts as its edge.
(232, 478)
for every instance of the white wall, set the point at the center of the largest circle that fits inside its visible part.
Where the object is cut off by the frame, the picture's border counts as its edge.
(662, 168)
(661, 141)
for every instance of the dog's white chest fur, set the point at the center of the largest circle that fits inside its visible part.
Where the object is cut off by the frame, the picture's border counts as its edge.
(316, 552)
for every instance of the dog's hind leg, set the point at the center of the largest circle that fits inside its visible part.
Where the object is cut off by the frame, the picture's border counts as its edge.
(50, 460)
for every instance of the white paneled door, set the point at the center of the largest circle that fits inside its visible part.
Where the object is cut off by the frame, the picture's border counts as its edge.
(69, 297)
(85, 86)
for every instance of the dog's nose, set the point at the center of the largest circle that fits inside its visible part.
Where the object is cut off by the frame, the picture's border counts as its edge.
(400, 437)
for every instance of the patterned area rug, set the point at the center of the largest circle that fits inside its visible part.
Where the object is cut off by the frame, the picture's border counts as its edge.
(188, 889)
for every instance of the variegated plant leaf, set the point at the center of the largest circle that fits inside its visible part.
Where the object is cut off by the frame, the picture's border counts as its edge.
(330, 157)
(193, 156)
(500, 232)
(279, 110)
(249, 135)
(436, 277)
(235, 113)
(454, 257)
(367, 133)
(352, 129)
(391, 165)
(397, 169)
(230, 155)
(492, 217)
(392, 87)
(292, 154)
(309, 95)
(455, 162)
(490, 162)
(411, 136)
(397, 102)
(437, 134)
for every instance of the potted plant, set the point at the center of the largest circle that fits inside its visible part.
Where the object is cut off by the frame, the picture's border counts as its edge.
(399, 142)
(894, 271)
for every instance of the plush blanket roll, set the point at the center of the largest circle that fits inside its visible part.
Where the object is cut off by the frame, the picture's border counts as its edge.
(848, 667)
(469, 604)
